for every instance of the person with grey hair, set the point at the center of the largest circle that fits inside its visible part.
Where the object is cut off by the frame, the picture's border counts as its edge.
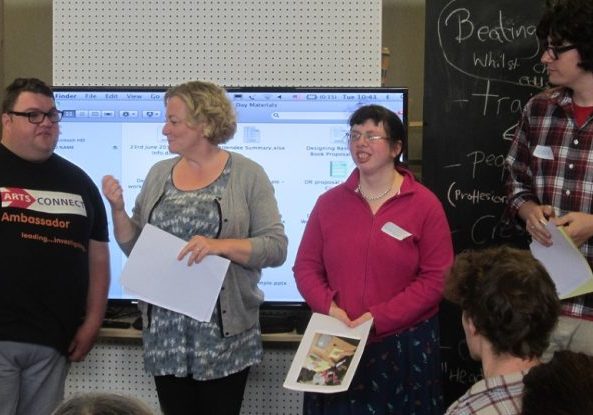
(102, 404)
(221, 203)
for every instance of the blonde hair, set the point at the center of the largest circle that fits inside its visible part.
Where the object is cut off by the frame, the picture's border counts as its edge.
(209, 105)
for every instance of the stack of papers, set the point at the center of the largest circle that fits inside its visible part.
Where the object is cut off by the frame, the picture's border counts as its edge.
(565, 263)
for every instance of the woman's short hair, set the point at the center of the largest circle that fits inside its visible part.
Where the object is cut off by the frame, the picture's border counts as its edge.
(394, 128)
(208, 105)
(102, 404)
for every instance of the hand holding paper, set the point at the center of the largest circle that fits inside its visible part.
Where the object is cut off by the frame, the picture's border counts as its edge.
(578, 225)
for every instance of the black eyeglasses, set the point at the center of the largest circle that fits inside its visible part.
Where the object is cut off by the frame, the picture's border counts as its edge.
(37, 117)
(555, 51)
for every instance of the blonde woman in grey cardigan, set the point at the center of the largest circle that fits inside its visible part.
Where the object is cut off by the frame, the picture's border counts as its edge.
(223, 204)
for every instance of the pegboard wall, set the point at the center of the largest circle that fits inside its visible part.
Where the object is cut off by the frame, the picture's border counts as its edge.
(233, 43)
(117, 366)
(230, 42)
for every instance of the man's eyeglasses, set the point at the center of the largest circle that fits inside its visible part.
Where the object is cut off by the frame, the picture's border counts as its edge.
(555, 51)
(354, 136)
(37, 117)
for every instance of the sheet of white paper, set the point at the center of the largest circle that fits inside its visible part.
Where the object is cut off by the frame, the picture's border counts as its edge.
(155, 275)
(328, 355)
(563, 261)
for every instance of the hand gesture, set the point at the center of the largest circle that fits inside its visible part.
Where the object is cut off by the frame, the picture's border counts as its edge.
(113, 192)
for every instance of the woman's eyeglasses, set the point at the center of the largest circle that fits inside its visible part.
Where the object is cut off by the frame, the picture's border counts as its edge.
(354, 136)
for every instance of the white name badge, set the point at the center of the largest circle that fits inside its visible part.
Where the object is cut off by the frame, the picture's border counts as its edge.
(543, 152)
(395, 231)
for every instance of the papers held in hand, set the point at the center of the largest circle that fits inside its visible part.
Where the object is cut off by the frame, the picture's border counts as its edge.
(153, 274)
(565, 264)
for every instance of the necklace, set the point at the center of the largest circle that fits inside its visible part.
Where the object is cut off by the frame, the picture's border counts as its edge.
(375, 197)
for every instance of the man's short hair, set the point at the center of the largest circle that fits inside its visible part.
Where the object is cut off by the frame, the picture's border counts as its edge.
(20, 85)
(508, 295)
(570, 21)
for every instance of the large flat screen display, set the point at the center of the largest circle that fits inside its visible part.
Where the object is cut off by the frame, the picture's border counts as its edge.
(296, 134)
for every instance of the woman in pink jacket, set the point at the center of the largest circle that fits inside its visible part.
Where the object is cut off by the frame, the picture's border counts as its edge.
(377, 246)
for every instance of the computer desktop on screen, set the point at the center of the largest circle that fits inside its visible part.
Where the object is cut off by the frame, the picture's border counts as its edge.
(296, 134)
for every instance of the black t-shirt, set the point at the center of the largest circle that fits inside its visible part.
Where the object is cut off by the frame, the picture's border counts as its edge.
(49, 212)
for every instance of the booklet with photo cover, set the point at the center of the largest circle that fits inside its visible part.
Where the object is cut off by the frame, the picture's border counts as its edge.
(327, 356)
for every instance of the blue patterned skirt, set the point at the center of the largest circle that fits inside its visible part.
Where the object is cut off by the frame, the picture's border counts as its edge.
(398, 375)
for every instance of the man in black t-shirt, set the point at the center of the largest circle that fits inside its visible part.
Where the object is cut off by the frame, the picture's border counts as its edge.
(54, 261)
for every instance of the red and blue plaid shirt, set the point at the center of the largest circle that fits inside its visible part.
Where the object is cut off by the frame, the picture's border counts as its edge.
(495, 395)
(564, 181)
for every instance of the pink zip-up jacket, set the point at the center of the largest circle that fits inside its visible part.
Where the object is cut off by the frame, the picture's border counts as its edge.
(392, 263)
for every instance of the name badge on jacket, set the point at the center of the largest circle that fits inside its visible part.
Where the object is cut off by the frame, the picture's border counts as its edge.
(395, 231)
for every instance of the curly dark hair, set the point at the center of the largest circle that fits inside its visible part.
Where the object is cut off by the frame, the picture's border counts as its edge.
(391, 123)
(20, 85)
(508, 295)
(570, 21)
(563, 386)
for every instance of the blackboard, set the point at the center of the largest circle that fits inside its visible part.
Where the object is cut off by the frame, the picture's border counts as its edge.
(482, 64)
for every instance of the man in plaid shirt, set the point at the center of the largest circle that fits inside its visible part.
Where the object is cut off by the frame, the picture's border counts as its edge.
(510, 307)
(550, 162)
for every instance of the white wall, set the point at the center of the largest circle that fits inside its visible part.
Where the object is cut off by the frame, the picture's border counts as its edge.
(28, 48)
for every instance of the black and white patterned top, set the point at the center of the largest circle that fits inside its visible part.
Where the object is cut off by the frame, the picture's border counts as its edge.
(175, 344)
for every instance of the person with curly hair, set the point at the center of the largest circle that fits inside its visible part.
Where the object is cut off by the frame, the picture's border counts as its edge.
(221, 203)
(509, 307)
(550, 161)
